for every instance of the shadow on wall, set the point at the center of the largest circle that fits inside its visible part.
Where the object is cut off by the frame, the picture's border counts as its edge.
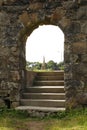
(30, 75)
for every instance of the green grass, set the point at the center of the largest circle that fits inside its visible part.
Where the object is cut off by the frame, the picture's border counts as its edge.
(17, 120)
(46, 70)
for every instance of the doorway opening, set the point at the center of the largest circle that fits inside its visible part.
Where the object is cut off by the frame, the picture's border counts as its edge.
(45, 49)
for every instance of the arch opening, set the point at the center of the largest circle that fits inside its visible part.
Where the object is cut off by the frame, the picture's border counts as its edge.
(45, 47)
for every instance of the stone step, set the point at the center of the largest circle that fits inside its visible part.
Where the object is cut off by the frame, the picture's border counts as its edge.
(49, 83)
(58, 96)
(59, 77)
(45, 89)
(52, 73)
(42, 102)
(44, 109)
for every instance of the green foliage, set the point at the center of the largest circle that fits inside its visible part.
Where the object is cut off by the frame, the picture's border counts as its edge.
(65, 120)
(57, 115)
(33, 65)
(13, 113)
(61, 66)
(50, 65)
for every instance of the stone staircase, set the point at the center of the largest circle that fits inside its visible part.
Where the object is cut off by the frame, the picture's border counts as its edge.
(46, 94)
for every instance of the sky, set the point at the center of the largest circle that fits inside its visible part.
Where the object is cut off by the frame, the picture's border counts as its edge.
(45, 41)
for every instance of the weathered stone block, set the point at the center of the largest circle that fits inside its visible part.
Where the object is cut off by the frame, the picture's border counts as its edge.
(82, 13)
(1, 2)
(82, 2)
(64, 22)
(73, 28)
(75, 58)
(75, 85)
(13, 59)
(13, 66)
(34, 17)
(4, 18)
(14, 89)
(71, 103)
(2, 103)
(3, 93)
(79, 47)
(68, 68)
(14, 76)
(4, 51)
(67, 57)
(68, 76)
(24, 18)
(14, 51)
(15, 2)
(14, 104)
(30, 77)
(81, 98)
(3, 64)
(80, 37)
(84, 58)
(3, 85)
(57, 15)
(84, 28)
(80, 68)
(36, 6)
(70, 5)
(13, 85)
(3, 73)
(14, 95)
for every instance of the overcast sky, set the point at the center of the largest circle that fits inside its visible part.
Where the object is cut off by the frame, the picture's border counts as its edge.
(47, 41)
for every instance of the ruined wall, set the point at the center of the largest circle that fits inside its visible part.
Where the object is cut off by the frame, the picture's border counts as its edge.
(18, 18)
(30, 76)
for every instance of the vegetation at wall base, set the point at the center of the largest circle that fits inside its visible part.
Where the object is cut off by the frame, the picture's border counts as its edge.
(11, 119)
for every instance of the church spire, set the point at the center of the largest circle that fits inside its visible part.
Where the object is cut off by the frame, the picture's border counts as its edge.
(43, 64)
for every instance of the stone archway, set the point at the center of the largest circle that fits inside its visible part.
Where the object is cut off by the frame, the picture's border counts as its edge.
(44, 44)
(18, 19)
(29, 27)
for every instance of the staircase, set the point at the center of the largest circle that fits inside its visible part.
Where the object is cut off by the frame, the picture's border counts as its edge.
(46, 94)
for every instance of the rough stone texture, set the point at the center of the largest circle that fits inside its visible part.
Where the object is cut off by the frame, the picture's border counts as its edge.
(30, 75)
(18, 18)
(2, 103)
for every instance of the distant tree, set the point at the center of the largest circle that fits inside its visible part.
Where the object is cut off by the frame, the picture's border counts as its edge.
(38, 66)
(52, 65)
(33, 65)
(61, 65)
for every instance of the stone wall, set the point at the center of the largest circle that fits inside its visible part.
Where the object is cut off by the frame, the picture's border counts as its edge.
(18, 18)
(30, 76)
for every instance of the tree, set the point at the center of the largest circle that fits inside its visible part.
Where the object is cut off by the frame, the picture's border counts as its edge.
(52, 65)
(37, 66)
(33, 65)
(61, 65)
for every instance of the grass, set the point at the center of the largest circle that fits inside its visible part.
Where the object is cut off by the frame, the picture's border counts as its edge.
(45, 70)
(17, 120)
(49, 70)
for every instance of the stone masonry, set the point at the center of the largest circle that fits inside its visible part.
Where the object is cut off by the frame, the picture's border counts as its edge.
(18, 18)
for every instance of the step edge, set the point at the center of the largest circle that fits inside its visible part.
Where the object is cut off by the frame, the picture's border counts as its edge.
(43, 100)
(43, 93)
(40, 108)
(45, 87)
(49, 81)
